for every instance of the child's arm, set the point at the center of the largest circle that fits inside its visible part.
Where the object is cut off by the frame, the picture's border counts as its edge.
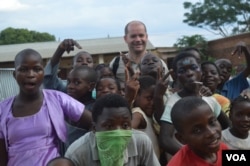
(167, 143)
(51, 80)
(160, 90)
(242, 48)
(65, 45)
(85, 120)
(3, 153)
(138, 122)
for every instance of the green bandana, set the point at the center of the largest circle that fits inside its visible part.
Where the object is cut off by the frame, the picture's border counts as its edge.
(111, 145)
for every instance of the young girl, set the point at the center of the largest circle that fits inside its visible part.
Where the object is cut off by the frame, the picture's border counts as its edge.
(143, 110)
(32, 122)
(211, 79)
(107, 85)
(238, 136)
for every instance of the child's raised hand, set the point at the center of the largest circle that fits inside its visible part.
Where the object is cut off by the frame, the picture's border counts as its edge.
(162, 82)
(68, 45)
(131, 85)
(240, 47)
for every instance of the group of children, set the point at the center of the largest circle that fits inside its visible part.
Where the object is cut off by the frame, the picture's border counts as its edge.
(98, 119)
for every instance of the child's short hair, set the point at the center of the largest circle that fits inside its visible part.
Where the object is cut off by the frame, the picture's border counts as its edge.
(183, 107)
(27, 51)
(237, 101)
(209, 63)
(58, 158)
(108, 101)
(91, 73)
(81, 53)
(145, 82)
(180, 56)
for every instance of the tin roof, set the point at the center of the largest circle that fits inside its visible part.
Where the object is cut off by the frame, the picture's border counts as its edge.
(46, 49)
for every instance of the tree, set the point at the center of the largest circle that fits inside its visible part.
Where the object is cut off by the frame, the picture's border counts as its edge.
(15, 36)
(222, 17)
(197, 41)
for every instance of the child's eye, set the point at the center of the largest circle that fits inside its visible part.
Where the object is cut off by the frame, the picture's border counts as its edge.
(196, 130)
(76, 82)
(194, 67)
(181, 71)
(38, 69)
(213, 122)
(23, 70)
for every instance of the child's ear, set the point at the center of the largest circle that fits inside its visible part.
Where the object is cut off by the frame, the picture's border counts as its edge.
(180, 138)
(14, 74)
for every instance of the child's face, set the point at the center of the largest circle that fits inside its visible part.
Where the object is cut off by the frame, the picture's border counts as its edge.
(114, 119)
(29, 73)
(106, 72)
(210, 76)
(78, 86)
(150, 65)
(106, 86)
(83, 59)
(188, 71)
(225, 67)
(144, 100)
(240, 118)
(201, 131)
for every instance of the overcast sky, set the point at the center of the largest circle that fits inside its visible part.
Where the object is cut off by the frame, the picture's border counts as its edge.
(87, 19)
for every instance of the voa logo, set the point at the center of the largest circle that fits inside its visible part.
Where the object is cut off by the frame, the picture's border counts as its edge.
(236, 157)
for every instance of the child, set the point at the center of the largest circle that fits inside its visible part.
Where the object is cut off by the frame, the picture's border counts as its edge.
(199, 130)
(231, 88)
(51, 80)
(188, 73)
(81, 82)
(60, 161)
(107, 85)
(112, 142)
(103, 70)
(143, 110)
(237, 136)
(211, 79)
(32, 122)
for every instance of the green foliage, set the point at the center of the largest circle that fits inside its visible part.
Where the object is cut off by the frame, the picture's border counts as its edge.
(16, 36)
(197, 41)
(223, 17)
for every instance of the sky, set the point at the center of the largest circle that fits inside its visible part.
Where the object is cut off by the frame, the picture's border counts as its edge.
(90, 19)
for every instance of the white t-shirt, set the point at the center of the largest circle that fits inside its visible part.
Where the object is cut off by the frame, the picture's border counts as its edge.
(234, 142)
(211, 101)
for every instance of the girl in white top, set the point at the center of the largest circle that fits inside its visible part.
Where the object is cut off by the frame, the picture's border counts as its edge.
(143, 110)
(237, 136)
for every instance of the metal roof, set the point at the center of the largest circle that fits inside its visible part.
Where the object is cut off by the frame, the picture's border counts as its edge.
(46, 49)
(8, 85)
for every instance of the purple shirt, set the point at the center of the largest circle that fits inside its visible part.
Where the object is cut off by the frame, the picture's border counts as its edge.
(32, 140)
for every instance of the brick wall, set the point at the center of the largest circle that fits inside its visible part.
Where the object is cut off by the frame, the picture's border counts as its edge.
(222, 48)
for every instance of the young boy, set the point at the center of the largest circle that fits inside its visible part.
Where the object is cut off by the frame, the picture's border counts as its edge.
(82, 58)
(199, 130)
(81, 81)
(112, 142)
